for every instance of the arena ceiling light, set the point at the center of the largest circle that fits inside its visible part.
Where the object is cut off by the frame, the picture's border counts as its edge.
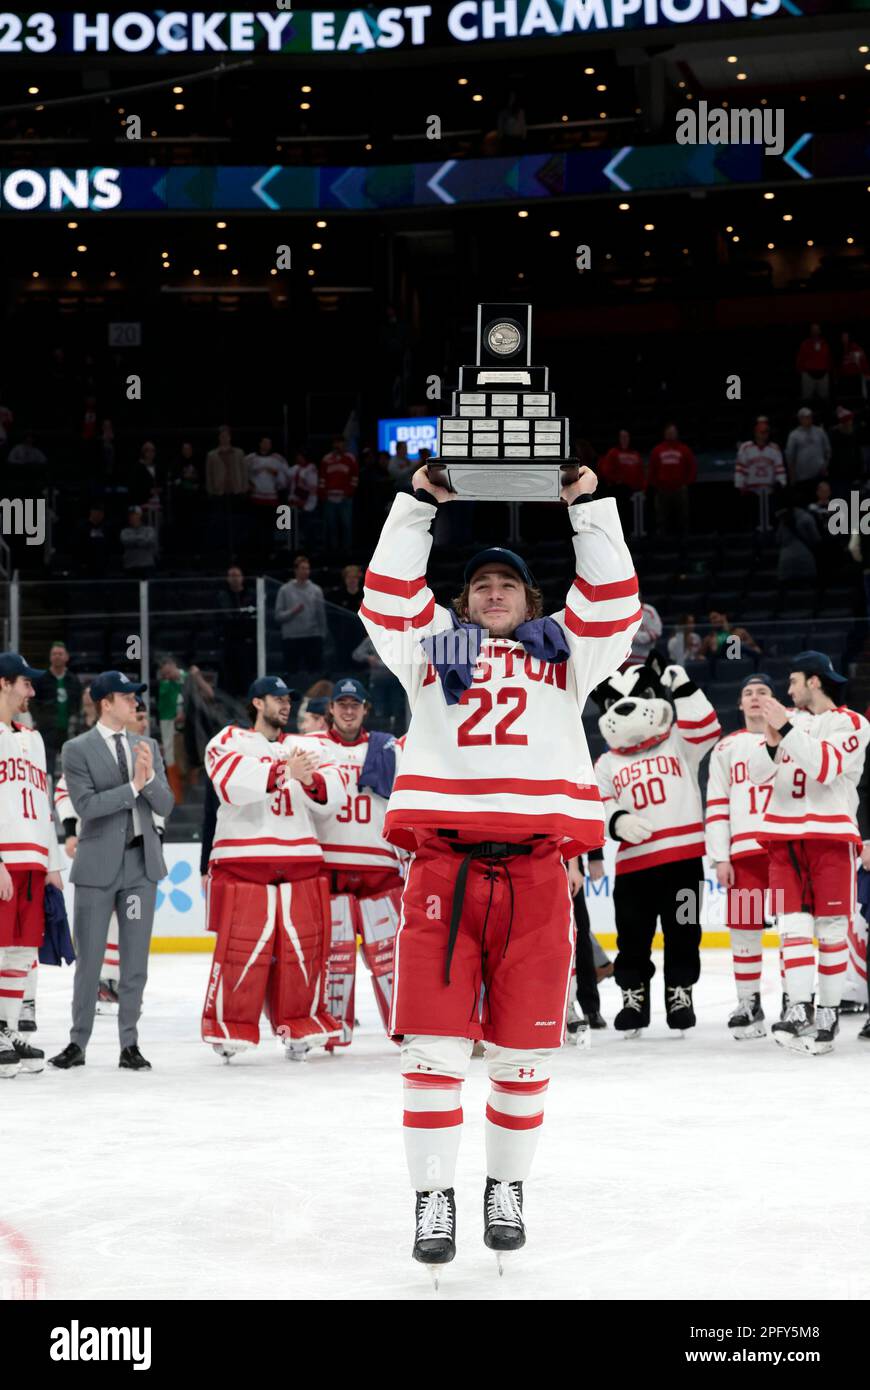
(306, 88)
(741, 77)
(601, 87)
(321, 223)
(196, 272)
(555, 232)
(305, 106)
(590, 72)
(850, 241)
(462, 81)
(35, 274)
(769, 196)
(477, 97)
(234, 271)
(177, 91)
(862, 48)
(811, 243)
(731, 59)
(222, 246)
(624, 207)
(602, 115)
(649, 226)
(522, 213)
(74, 275)
(317, 245)
(220, 225)
(179, 106)
(81, 248)
(787, 217)
(770, 246)
(33, 91)
(113, 274)
(72, 226)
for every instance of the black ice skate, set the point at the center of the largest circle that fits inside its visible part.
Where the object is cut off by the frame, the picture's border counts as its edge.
(864, 1034)
(30, 1058)
(850, 1006)
(827, 1028)
(435, 1238)
(678, 1003)
(10, 1062)
(747, 1020)
(503, 1229)
(107, 997)
(27, 1017)
(796, 1028)
(784, 1008)
(595, 1020)
(634, 1014)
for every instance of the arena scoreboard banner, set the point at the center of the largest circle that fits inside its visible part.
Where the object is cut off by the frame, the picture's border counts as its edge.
(377, 28)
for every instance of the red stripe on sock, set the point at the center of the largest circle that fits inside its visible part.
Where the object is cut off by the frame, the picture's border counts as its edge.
(432, 1119)
(497, 1117)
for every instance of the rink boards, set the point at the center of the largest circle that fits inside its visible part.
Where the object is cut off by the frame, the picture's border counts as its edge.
(179, 920)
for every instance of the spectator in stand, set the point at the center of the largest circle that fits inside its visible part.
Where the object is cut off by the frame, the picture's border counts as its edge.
(349, 594)
(93, 545)
(685, 645)
(237, 605)
(623, 470)
(797, 537)
(26, 454)
(646, 637)
(305, 496)
(402, 469)
(725, 640)
(672, 468)
(147, 482)
(57, 701)
(846, 466)
(138, 545)
(814, 365)
(388, 695)
(301, 611)
(381, 486)
(88, 712)
(807, 455)
(185, 499)
(204, 717)
(170, 714)
(226, 472)
(346, 631)
(760, 470)
(832, 555)
(269, 476)
(853, 371)
(339, 476)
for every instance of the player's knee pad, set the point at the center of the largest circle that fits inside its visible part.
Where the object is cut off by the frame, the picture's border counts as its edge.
(441, 1056)
(243, 917)
(791, 924)
(340, 989)
(379, 921)
(296, 1002)
(830, 930)
(515, 1064)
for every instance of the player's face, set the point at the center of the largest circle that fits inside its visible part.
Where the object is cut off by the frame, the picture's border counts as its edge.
(799, 691)
(21, 692)
(497, 600)
(138, 722)
(348, 716)
(751, 698)
(309, 723)
(276, 710)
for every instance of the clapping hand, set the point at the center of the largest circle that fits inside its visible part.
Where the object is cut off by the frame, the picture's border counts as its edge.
(143, 764)
(300, 766)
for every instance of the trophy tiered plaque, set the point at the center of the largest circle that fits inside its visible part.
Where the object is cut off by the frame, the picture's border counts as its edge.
(503, 441)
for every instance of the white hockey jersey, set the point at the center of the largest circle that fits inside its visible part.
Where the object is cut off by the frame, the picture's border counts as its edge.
(28, 839)
(759, 468)
(352, 837)
(735, 804)
(258, 826)
(510, 758)
(659, 783)
(814, 776)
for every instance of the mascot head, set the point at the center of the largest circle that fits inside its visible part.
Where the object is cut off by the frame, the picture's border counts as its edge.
(636, 712)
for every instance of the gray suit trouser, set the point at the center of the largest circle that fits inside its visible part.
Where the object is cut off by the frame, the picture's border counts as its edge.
(132, 896)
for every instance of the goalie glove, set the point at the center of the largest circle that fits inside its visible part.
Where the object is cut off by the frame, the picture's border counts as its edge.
(632, 829)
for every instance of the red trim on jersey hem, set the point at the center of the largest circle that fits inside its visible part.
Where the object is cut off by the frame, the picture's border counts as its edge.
(266, 840)
(25, 844)
(498, 786)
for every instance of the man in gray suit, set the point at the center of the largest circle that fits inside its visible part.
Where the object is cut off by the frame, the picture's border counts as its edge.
(116, 782)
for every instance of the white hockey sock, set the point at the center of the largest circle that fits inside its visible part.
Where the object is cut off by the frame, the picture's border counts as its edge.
(746, 955)
(798, 955)
(515, 1110)
(432, 1122)
(833, 957)
(31, 982)
(855, 988)
(15, 963)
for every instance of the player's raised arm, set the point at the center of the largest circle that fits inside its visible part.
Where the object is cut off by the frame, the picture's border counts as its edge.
(696, 720)
(398, 607)
(603, 611)
(837, 753)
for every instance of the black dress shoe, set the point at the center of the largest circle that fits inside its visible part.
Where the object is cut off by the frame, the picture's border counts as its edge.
(72, 1056)
(132, 1059)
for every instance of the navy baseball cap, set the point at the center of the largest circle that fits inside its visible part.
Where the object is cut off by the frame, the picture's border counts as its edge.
(816, 664)
(12, 665)
(318, 705)
(760, 678)
(271, 685)
(496, 555)
(348, 688)
(114, 683)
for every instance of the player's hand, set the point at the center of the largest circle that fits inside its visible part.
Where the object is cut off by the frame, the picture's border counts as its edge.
(69, 846)
(596, 869)
(585, 483)
(575, 876)
(203, 878)
(774, 713)
(421, 482)
(54, 879)
(673, 676)
(6, 886)
(865, 856)
(725, 873)
(301, 766)
(142, 768)
(633, 829)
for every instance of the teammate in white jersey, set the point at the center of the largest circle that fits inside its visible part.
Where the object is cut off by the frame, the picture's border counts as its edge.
(364, 870)
(267, 897)
(29, 857)
(734, 821)
(812, 758)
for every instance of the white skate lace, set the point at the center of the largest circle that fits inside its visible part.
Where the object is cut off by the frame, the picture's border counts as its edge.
(680, 999)
(826, 1018)
(14, 1039)
(797, 1013)
(632, 999)
(503, 1205)
(745, 1009)
(436, 1217)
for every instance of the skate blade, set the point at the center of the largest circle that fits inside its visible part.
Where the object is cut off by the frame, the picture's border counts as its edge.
(805, 1047)
(753, 1030)
(631, 1033)
(434, 1272)
(7, 1072)
(34, 1066)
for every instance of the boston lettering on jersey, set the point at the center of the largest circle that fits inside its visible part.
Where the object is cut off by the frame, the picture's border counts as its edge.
(23, 770)
(645, 767)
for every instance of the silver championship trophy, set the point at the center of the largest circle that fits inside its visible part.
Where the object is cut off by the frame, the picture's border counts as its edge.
(503, 441)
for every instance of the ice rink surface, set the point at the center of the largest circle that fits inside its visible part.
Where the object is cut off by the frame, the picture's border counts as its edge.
(669, 1167)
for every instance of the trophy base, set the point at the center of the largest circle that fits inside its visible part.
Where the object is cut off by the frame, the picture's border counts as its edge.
(504, 480)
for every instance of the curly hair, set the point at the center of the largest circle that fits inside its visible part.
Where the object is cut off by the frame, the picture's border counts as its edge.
(534, 600)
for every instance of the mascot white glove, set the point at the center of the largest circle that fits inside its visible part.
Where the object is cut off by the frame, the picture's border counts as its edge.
(633, 829)
(674, 675)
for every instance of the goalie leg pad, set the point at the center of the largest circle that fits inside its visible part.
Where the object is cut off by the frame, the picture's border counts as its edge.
(380, 921)
(341, 981)
(243, 916)
(296, 1003)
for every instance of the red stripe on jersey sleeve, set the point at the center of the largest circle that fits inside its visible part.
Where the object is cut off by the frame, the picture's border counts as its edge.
(222, 789)
(583, 628)
(385, 584)
(397, 622)
(710, 718)
(600, 593)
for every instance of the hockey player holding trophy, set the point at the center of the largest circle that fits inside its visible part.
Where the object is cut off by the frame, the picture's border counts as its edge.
(495, 789)
(811, 757)
(267, 897)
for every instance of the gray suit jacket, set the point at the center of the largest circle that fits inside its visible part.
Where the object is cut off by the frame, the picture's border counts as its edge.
(92, 776)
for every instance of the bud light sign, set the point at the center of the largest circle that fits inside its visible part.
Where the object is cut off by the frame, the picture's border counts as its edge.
(418, 433)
